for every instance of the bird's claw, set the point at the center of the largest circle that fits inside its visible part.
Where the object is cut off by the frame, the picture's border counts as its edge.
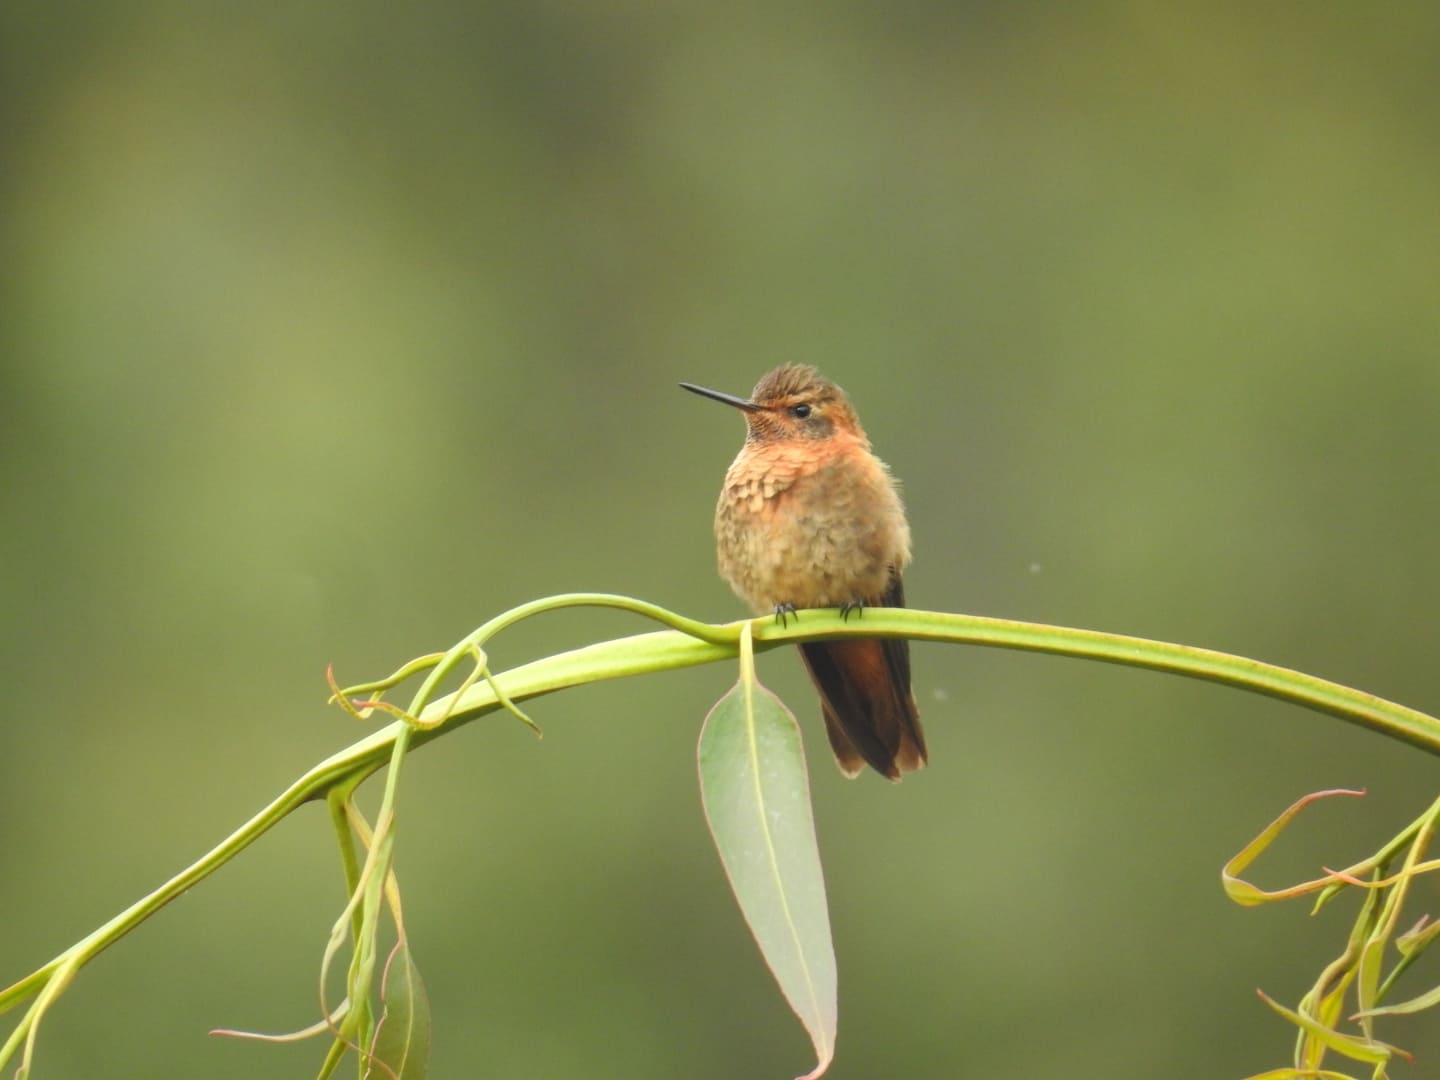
(783, 613)
(857, 606)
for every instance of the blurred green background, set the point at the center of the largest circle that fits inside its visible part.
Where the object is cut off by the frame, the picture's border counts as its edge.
(331, 330)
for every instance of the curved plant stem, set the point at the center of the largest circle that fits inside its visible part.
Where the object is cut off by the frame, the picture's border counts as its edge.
(1355, 706)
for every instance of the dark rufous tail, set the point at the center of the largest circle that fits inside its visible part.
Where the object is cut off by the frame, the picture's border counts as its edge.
(864, 685)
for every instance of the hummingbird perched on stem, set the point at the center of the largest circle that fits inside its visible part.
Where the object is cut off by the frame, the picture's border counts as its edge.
(808, 517)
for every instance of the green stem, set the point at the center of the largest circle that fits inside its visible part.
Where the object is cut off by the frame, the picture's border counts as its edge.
(666, 650)
(1355, 706)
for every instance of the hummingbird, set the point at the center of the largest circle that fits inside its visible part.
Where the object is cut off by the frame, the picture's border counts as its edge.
(809, 517)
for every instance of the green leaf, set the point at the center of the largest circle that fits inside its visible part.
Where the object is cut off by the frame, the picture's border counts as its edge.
(1240, 890)
(1356, 1049)
(1427, 1000)
(1418, 938)
(402, 1042)
(757, 802)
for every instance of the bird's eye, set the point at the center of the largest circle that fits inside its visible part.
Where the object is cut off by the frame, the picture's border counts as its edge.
(800, 412)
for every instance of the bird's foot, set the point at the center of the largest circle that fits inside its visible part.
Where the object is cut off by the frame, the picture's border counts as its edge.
(857, 606)
(783, 613)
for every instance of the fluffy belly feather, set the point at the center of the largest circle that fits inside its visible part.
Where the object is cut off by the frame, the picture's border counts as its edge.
(823, 540)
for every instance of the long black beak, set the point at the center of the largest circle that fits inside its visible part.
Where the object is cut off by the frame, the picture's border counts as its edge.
(728, 399)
